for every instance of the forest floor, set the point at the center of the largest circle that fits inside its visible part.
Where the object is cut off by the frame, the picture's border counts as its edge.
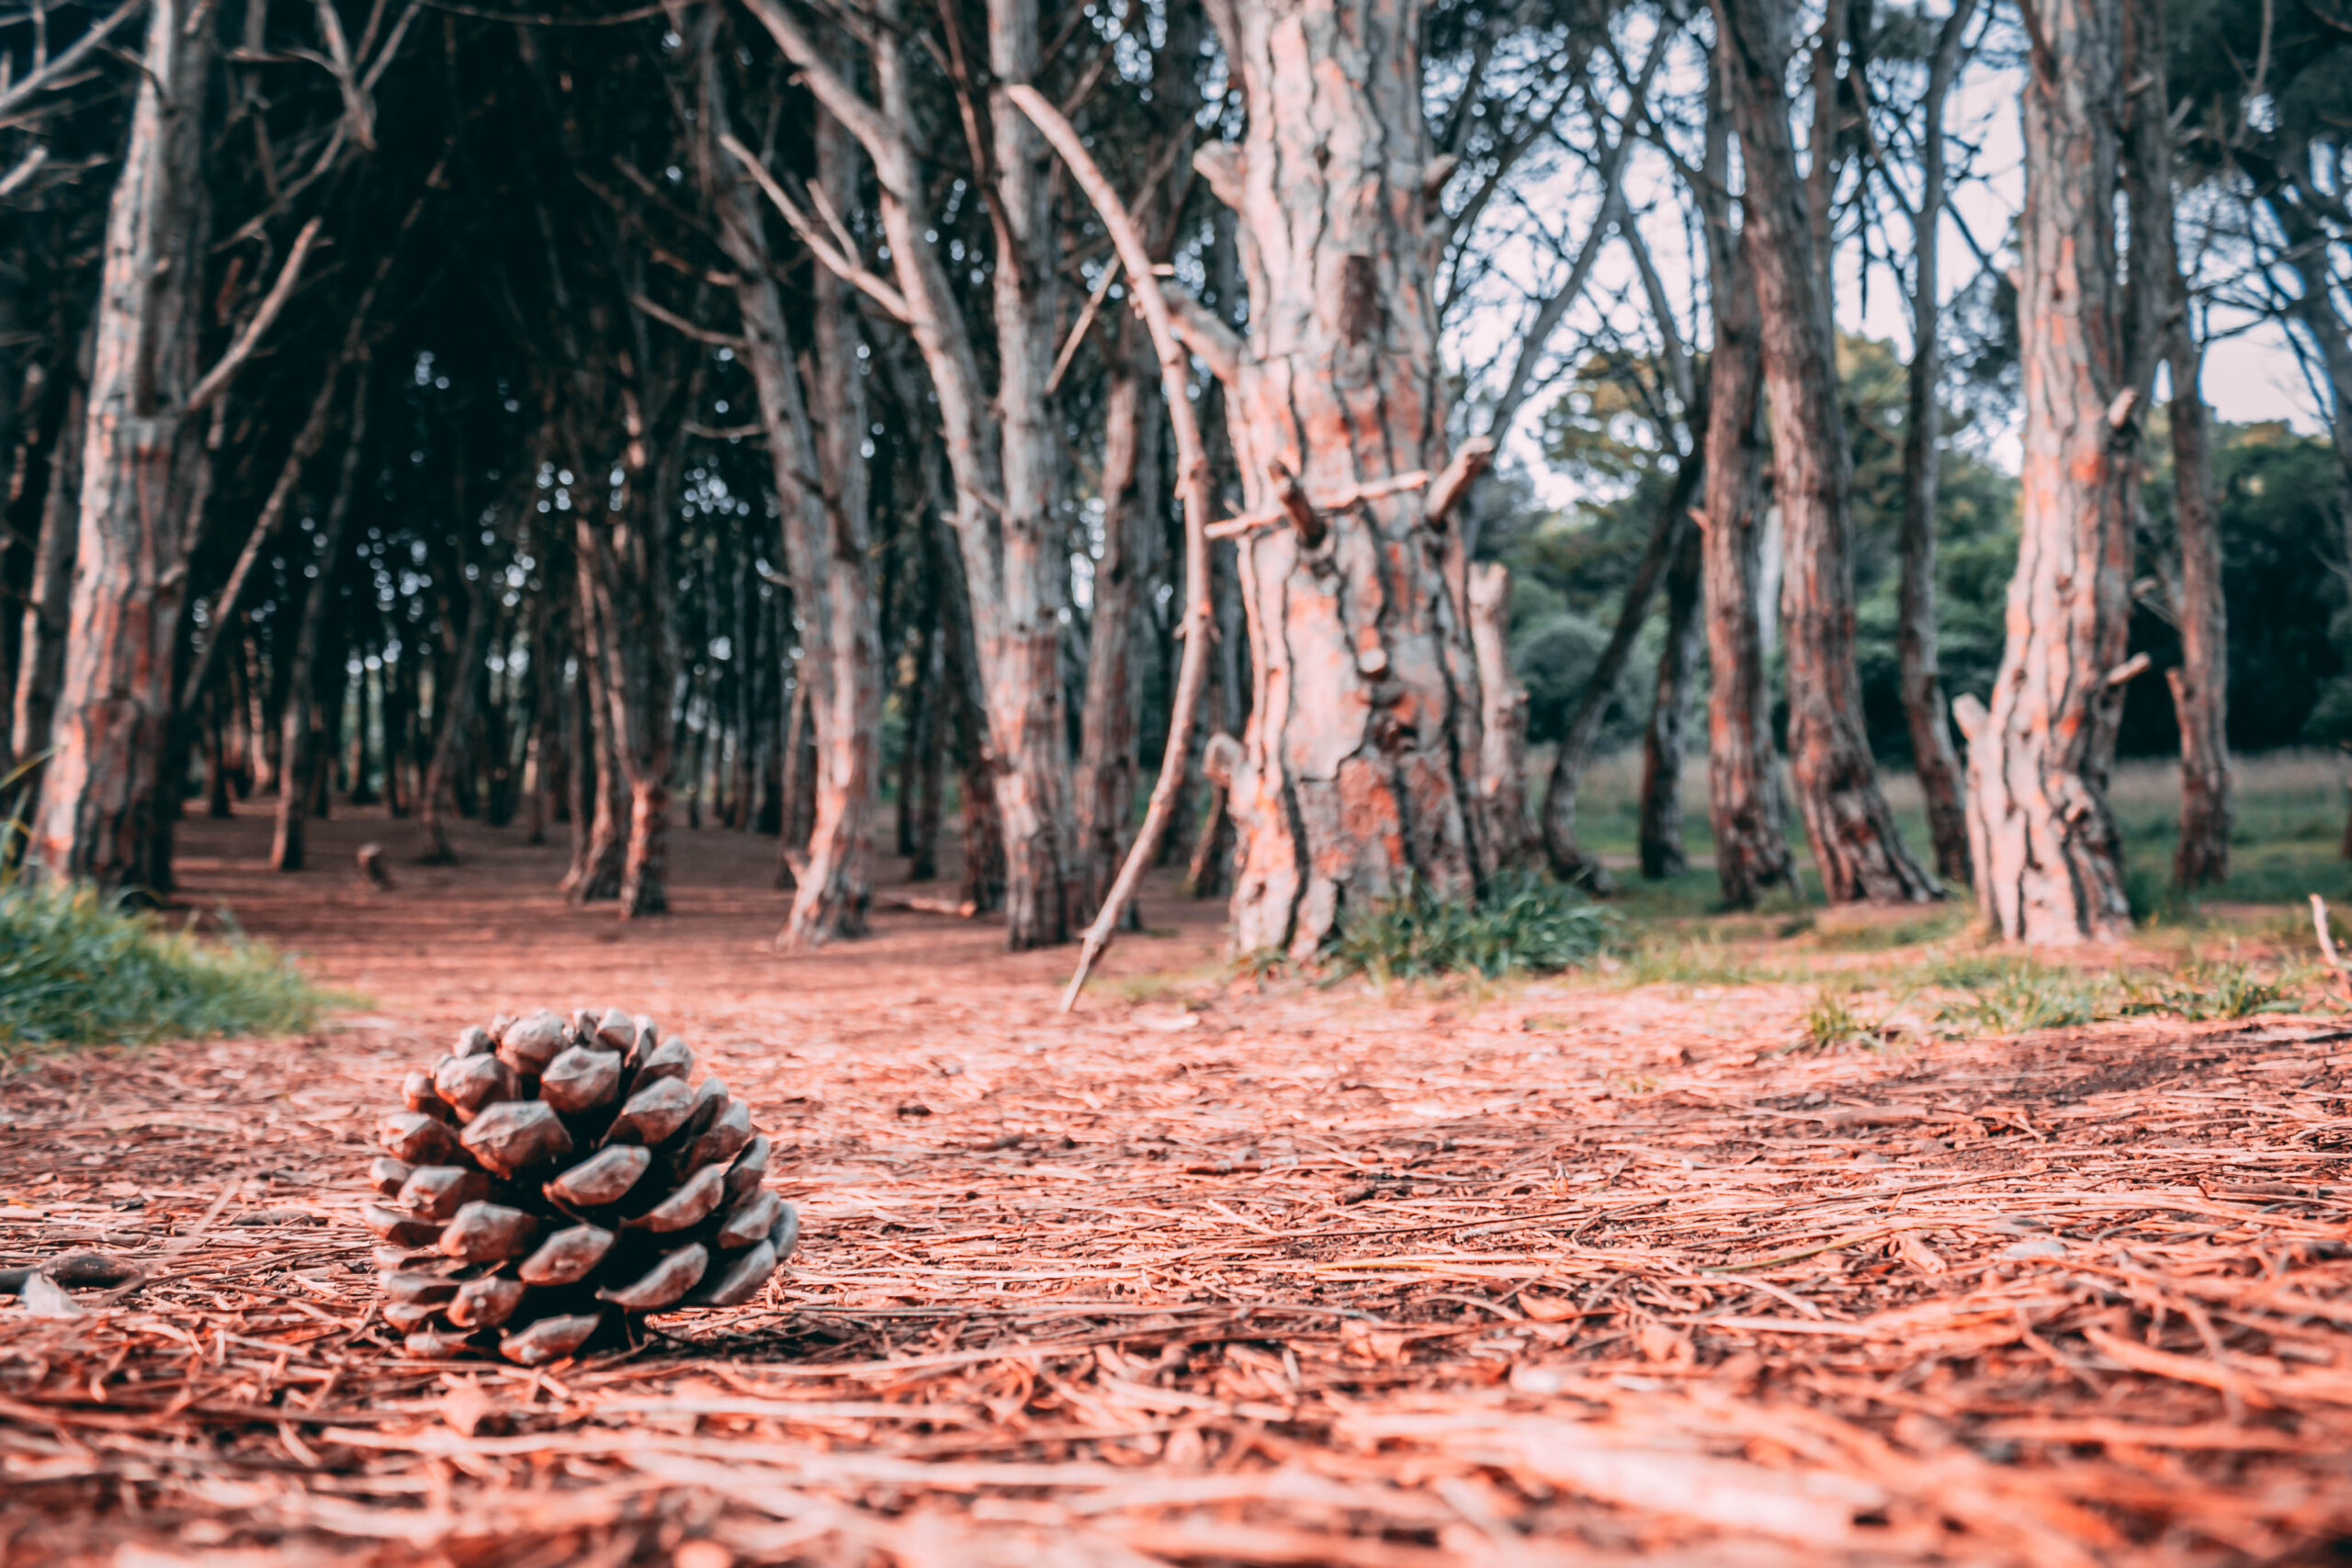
(1213, 1270)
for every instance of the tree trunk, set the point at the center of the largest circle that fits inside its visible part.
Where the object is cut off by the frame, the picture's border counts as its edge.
(824, 536)
(1358, 770)
(2161, 328)
(1852, 832)
(1678, 670)
(1925, 712)
(1502, 761)
(48, 599)
(1105, 783)
(436, 798)
(144, 476)
(1743, 778)
(2049, 866)
(2200, 688)
(1569, 860)
(1003, 442)
(792, 849)
(836, 596)
(621, 571)
(600, 801)
(363, 749)
(299, 750)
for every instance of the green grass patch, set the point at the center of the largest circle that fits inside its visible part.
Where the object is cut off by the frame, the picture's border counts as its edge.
(1831, 1020)
(1526, 924)
(80, 969)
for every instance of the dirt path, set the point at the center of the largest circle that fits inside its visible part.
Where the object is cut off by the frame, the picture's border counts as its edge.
(1548, 1273)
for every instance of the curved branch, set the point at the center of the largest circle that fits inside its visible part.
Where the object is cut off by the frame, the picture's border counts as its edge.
(1193, 465)
(843, 266)
(215, 380)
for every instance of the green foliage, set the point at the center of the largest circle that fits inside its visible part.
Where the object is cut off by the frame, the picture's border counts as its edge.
(1555, 660)
(2014, 995)
(1525, 924)
(2205, 991)
(1831, 1020)
(77, 968)
(2290, 639)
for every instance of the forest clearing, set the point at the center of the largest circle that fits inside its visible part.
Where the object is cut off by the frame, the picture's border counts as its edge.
(1593, 1268)
(1175, 783)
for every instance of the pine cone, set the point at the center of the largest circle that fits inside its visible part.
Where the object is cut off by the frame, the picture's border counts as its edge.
(549, 1180)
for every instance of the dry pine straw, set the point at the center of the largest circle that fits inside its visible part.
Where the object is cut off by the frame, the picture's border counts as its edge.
(1294, 1277)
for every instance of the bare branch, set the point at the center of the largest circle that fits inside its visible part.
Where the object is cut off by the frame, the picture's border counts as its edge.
(884, 142)
(26, 168)
(1217, 344)
(678, 323)
(1193, 470)
(82, 47)
(215, 380)
(843, 266)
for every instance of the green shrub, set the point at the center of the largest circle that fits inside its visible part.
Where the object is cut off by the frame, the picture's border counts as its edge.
(77, 968)
(1526, 923)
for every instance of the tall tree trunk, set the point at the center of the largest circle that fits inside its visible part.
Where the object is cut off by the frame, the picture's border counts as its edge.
(929, 775)
(1852, 832)
(621, 593)
(2161, 330)
(1925, 712)
(747, 670)
(1358, 773)
(845, 701)
(1743, 776)
(2200, 682)
(1104, 783)
(144, 476)
(1678, 670)
(216, 759)
(2048, 867)
(299, 749)
(48, 598)
(824, 532)
(1003, 442)
(363, 749)
(918, 761)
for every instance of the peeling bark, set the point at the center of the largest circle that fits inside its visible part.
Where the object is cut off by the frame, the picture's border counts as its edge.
(1359, 768)
(2049, 866)
(145, 474)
